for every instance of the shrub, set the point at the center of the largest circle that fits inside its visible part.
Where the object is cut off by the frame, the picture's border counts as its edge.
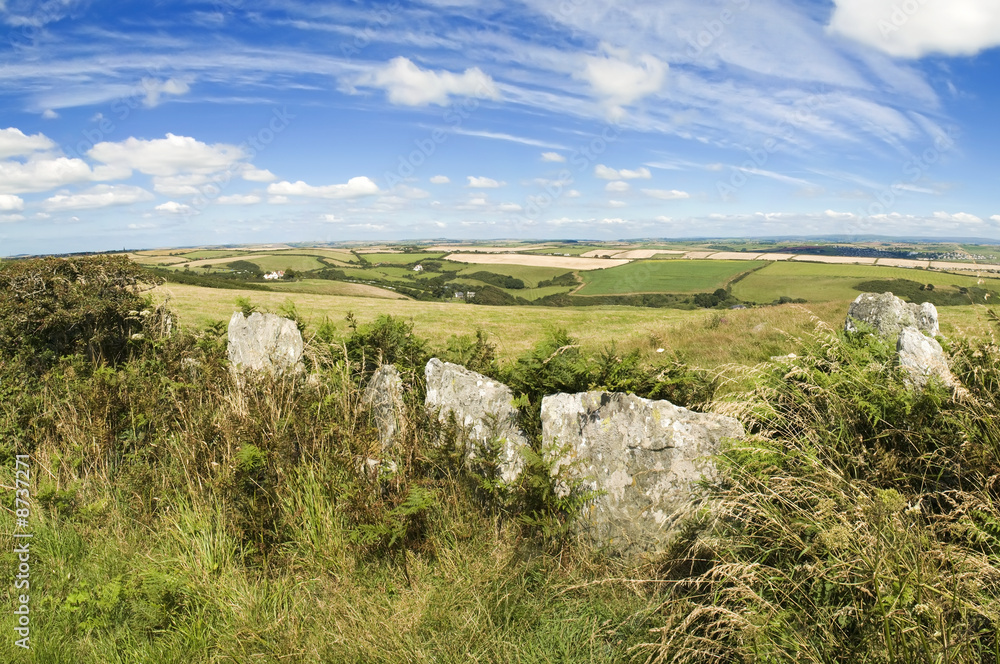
(50, 307)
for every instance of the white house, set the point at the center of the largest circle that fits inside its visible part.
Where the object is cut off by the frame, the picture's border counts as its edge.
(419, 268)
(280, 274)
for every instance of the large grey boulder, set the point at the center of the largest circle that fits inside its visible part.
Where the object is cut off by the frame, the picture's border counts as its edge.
(264, 343)
(384, 395)
(922, 358)
(889, 315)
(483, 410)
(645, 456)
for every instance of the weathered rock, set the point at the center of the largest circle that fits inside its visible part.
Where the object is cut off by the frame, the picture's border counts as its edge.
(645, 456)
(889, 315)
(483, 410)
(384, 395)
(922, 358)
(264, 342)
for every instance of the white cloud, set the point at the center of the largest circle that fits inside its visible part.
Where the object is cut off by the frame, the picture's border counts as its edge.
(100, 196)
(483, 183)
(332, 218)
(173, 207)
(278, 200)
(259, 175)
(553, 157)
(617, 204)
(412, 193)
(239, 199)
(9, 203)
(10, 218)
(917, 28)
(995, 218)
(507, 137)
(440, 179)
(620, 79)
(617, 185)
(354, 188)
(573, 193)
(509, 207)
(44, 173)
(14, 143)
(607, 173)
(189, 184)
(408, 85)
(49, 114)
(168, 156)
(833, 214)
(666, 194)
(156, 88)
(958, 217)
(664, 219)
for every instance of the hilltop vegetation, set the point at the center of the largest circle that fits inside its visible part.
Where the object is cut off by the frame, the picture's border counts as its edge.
(183, 516)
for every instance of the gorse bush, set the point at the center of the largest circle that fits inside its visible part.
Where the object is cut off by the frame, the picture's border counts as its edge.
(51, 307)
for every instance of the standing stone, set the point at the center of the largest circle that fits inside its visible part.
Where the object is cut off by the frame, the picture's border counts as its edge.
(264, 343)
(889, 315)
(384, 395)
(644, 456)
(922, 358)
(483, 410)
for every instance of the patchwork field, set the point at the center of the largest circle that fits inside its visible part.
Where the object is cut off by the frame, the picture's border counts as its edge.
(566, 262)
(663, 277)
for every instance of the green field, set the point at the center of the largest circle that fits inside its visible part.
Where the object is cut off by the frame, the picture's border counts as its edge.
(664, 277)
(821, 282)
(528, 274)
(401, 259)
(294, 262)
(332, 254)
(327, 287)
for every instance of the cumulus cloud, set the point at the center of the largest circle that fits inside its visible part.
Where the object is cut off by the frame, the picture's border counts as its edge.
(408, 85)
(259, 175)
(9, 203)
(833, 214)
(995, 218)
(619, 79)
(15, 143)
(607, 173)
(239, 199)
(440, 179)
(100, 196)
(958, 217)
(666, 194)
(41, 173)
(49, 114)
(617, 204)
(509, 207)
(553, 157)
(354, 188)
(173, 207)
(483, 182)
(917, 28)
(168, 156)
(617, 185)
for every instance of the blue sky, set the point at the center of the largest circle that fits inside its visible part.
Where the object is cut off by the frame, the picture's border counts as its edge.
(162, 123)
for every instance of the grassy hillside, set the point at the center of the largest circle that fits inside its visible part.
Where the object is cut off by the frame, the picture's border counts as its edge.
(181, 515)
(818, 282)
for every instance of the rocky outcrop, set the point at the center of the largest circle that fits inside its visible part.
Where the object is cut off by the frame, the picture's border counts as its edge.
(913, 326)
(643, 456)
(264, 343)
(483, 411)
(889, 315)
(384, 395)
(923, 359)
